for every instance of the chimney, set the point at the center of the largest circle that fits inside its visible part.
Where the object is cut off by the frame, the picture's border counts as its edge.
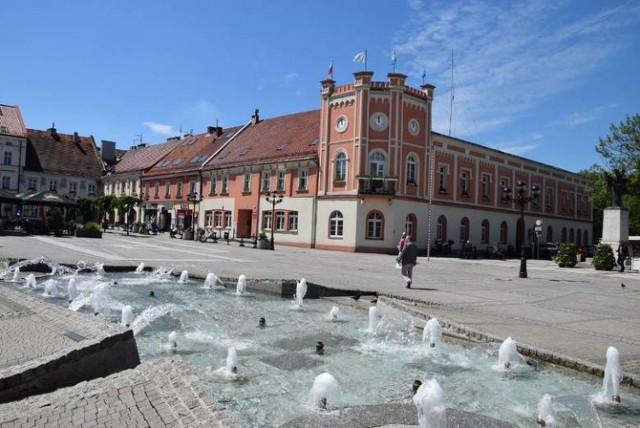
(219, 130)
(108, 150)
(75, 137)
(52, 130)
(211, 129)
(255, 118)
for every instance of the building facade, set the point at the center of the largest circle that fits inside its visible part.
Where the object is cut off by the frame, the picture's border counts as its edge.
(13, 149)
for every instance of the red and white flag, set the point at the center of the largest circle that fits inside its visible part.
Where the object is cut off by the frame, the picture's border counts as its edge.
(330, 70)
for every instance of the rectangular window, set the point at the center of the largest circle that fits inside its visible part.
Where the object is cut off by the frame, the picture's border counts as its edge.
(484, 184)
(280, 220)
(303, 178)
(265, 182)
(179, 189)
(579, 204)
(193, 188)
(266, 220)
(6, 182)
(227, 219)
(217, 219)
(443, 171)
(7, 157)
(53, 185)
(563, 200)
(246, 186)
(280, 181)
(548, 197)
(225, 184)
(212, 189)
(73, 187)
(208, 218)
(91, 189)
(32, 183)
(571, 204)
(293, 220)
(167, 189)
(464, 182)
(156, 190)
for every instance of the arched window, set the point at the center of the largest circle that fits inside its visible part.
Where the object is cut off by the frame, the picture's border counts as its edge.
(585, 237)
(571, 235)
(549, 234)
(504, 232)
(340, 169)
(410, 224)
(579, 238)
(441, 229)
(412, 169)
(377, 163)
(563, 235)
(464, 229)
(484, 238)
(375, 225)
(336, 225)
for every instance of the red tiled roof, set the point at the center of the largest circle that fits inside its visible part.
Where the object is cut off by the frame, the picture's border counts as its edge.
(11, 122)
(289, 137)
(142, 158)
(191, 152)
(51, 152)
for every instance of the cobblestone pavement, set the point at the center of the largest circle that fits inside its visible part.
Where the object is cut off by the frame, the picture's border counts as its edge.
(162, 393)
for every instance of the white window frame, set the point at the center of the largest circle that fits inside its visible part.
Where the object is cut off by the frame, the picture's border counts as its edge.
(377, 163)
(340, 167)
(336, 224)
(303, 179)
(265, 181)
(280, 176)
(412, 169)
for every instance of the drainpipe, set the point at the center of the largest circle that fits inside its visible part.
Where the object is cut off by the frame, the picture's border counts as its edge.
(314, 209)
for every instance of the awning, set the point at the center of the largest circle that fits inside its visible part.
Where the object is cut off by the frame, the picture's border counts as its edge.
(9, 197)
(47, 198)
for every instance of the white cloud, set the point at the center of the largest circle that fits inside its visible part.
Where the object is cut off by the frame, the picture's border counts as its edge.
(508, 57)
(517, 150)
(160, 128)
(580, 118)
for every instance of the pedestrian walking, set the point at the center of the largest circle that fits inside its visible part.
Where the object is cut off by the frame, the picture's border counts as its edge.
(407, 258)
(400, 245)
(622, 254)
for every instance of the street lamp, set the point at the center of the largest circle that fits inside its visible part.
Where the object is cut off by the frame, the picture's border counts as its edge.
(273, 199)
(193, 197)
(521, 200)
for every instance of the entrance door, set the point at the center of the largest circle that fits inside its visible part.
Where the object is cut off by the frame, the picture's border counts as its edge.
(244, 223)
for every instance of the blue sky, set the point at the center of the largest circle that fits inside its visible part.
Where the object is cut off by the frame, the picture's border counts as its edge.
(541, 79)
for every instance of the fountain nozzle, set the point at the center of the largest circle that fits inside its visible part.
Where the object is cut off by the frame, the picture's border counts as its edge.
(322, 403)
(416, 385)
(320, 348)
(152, 293)
(262, 322)
(616, 399)
(432, 344)
(541, 423)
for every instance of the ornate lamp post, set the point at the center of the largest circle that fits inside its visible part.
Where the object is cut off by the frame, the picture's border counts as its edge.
(273, 199)
(193, 197)
(520, 199)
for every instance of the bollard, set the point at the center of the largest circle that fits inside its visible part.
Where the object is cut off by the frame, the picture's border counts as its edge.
(241, 241)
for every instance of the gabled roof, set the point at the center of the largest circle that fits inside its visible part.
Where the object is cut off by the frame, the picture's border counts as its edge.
(282, 138)
(11, 122)
(191, 152)
(54, 153)
(143, 158)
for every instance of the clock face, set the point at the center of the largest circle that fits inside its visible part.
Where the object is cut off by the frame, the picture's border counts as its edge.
(414, 127)
(342, 123)
(379, 121)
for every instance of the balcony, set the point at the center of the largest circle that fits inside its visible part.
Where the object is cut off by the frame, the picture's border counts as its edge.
(376, 185)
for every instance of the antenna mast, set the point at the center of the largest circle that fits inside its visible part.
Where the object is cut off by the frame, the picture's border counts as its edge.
(453, 92)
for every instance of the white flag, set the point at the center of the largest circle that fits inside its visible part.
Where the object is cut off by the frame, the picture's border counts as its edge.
(360, 57)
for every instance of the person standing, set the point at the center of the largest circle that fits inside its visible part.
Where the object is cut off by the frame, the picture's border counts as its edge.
(622, 254)
(400, 245)
(407, 258)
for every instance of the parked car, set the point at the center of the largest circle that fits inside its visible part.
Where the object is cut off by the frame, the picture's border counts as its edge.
(548, 250)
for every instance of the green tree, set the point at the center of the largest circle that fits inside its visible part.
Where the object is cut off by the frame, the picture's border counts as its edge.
(599, 195)
(621, 149)
(106, 204)
(125, 204)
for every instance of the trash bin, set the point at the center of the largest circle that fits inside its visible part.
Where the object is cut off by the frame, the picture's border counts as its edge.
(188, 235)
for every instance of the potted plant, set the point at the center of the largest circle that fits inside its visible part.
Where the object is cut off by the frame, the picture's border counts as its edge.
(567, 256)
(603, 257)
(263, 242)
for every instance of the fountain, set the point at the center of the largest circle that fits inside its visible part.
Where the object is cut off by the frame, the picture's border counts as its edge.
(140, 268)
(612, 375)
(127, 316)
(16, 274)
(50, 288)
(379, 368)
(230, 370)
(241, 287)
(30, 281)
(546, 416)
(72, 291)
(508, 353)
(301, 291)
(211, 281)
(333, 314)
(100, 300)
(326, 391)
(432, 332)
(373, 319)
(173, 341)
(184, 277)
(430, 403)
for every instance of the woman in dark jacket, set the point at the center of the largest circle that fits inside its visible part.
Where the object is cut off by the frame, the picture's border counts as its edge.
(407, 258)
